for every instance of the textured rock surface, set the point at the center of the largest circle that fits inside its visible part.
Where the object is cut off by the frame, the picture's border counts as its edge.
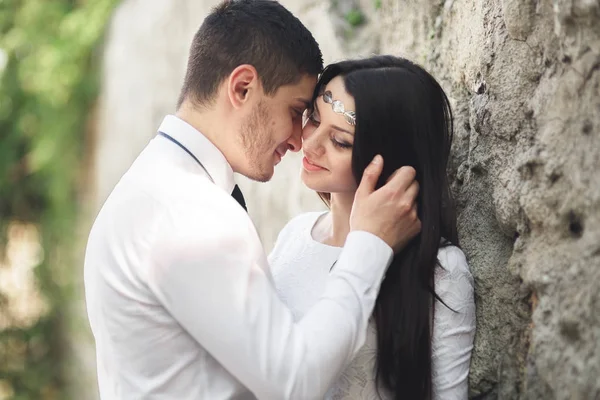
(524, 77)
(524, 80)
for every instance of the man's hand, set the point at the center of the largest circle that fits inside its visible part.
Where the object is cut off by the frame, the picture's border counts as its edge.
(389, 212)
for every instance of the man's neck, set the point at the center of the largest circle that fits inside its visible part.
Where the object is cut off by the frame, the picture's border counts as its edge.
(211, 125)
(341, 206)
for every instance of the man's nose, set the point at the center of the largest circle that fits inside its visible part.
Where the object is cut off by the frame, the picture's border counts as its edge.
(295, 141)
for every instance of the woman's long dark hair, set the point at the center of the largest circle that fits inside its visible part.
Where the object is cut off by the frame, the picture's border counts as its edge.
(403, 114)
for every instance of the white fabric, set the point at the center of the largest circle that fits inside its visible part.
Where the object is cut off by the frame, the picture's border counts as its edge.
(180, 298)
(300, 267)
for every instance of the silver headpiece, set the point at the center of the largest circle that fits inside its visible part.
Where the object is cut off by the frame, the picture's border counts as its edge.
(338, 107)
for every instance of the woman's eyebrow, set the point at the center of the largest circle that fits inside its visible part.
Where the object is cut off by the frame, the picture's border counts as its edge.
(342, 130)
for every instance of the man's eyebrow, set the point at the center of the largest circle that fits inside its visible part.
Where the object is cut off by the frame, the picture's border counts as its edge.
(303, 100)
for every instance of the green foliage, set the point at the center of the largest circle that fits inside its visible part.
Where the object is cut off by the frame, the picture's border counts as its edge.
(47, 85)
(355, 18)
(377, 4)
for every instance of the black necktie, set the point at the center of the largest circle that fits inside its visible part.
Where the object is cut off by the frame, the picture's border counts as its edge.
(237, 194)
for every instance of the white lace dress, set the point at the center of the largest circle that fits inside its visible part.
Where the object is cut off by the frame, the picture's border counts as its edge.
(300, 265)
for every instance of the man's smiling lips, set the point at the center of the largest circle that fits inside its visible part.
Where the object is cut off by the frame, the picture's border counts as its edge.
(280, 156)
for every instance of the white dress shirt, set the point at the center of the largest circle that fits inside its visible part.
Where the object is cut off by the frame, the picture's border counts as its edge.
(180, 298)
(300, 266)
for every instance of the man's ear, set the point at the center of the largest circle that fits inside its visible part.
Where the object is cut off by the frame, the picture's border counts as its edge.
(242, 84)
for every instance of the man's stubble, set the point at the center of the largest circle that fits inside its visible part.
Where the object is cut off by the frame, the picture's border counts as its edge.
(257, 142)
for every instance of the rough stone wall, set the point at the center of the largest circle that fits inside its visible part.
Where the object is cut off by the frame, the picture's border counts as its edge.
(524, 80)
(524, 77)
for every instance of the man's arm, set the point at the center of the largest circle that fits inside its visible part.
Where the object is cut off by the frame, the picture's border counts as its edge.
(223, 297)
(215, 285)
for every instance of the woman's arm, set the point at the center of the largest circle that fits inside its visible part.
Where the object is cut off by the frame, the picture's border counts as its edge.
(454, 330)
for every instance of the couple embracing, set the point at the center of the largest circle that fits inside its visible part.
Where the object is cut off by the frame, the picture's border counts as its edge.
(370, 299)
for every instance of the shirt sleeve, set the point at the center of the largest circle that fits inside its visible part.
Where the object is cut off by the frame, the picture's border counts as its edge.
(213, 278)
(454, 327)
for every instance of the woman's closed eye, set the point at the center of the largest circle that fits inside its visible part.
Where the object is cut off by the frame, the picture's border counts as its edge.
(341, 144)
(313, 118)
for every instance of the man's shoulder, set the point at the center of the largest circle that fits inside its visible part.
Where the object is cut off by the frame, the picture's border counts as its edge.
(188, 204)
(180, 190)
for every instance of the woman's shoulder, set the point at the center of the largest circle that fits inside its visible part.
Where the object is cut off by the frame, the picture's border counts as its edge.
(453, 280)
(294, 233)
(453, 260)
(301, 222)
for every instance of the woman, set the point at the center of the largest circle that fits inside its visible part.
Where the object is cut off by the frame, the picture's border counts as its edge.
(421, 332)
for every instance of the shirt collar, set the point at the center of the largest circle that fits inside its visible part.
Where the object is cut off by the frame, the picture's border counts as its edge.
(209, 155)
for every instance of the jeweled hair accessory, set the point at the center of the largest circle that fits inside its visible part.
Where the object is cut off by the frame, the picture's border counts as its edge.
(338, 107)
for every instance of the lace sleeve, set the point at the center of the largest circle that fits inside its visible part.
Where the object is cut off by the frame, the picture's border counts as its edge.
(454, 329)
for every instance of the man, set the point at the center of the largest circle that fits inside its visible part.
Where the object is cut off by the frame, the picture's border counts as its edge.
(178, 289)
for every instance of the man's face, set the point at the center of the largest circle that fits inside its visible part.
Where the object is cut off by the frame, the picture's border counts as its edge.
(274, 127)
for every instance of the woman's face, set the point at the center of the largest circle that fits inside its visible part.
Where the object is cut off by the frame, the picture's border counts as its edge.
(327, 144)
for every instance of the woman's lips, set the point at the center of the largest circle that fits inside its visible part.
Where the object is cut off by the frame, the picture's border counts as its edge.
(310, 166)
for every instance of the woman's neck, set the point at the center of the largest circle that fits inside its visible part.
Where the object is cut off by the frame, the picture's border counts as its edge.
(340, 206)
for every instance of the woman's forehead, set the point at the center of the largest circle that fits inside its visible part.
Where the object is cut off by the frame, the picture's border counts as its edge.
(338, 90)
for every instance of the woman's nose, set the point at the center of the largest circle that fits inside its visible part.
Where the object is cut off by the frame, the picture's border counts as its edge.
(312, 141)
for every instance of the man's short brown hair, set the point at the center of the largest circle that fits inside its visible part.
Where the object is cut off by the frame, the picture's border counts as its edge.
(261, 33)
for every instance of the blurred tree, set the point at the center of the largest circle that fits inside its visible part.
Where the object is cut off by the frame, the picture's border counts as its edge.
(48, 82)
